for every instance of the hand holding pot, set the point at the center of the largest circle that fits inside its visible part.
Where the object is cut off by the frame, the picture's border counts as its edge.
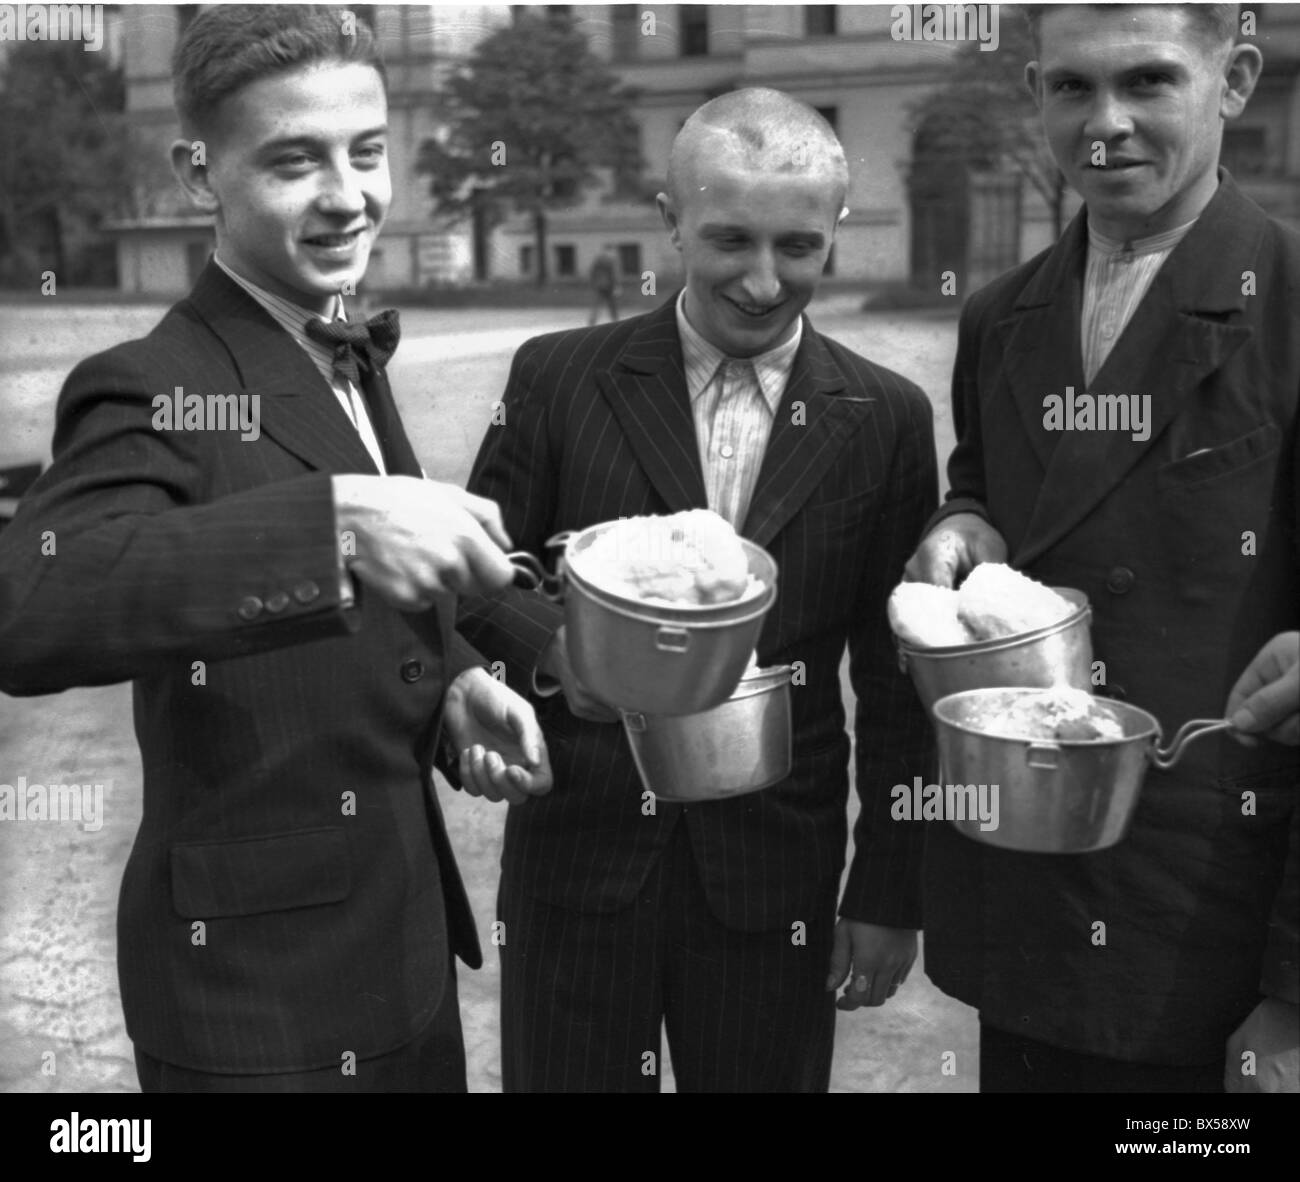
(1266, 698)
(555, 663)
(953, 549)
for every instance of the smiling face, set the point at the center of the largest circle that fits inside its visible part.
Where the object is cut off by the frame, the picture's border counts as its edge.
(297, 174)
(1143, 82)
(754, 243)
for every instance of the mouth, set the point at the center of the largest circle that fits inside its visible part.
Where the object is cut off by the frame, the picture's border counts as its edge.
(1117, 166)
(340, 243)
(754, 311)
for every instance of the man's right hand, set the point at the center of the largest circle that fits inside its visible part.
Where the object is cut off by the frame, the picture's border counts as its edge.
(950, 551)
(410, 539)
(555, 663)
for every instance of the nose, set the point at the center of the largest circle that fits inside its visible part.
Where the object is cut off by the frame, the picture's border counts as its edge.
(762, 284)
(341, 189)
(1108, 118)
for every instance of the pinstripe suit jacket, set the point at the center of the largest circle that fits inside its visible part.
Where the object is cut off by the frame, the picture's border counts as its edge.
(598, 425)
(265, 923)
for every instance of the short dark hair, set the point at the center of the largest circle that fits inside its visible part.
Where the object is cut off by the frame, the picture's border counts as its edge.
(1216, 24)
(229, 46)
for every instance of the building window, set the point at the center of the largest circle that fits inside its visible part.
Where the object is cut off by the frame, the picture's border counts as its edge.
(832, 116)
(566, 261)
(626, 33)
(629, 258)
(526, 259)
(695, 29)
(819, 20)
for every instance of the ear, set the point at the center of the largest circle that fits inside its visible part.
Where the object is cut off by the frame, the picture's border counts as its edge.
(1240, 73)
(671, 221)
(1033, 83)
(190, 166)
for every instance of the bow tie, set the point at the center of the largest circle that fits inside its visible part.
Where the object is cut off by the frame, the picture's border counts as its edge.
(358, 348)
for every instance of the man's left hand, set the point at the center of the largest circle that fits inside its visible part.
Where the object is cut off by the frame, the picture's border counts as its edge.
(502, 752)
(880, 959)
(1272, 1034)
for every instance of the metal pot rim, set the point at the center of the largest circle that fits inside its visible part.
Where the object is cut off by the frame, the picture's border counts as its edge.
(686, 615)
(1151, 730)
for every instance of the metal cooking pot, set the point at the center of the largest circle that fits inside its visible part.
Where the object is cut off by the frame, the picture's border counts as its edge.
(740, 746)
(1053, 796)
(1060, 654)
(652, 658)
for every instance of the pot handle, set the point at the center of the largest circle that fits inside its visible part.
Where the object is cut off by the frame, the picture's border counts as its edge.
(531, 575)
(1165, 757)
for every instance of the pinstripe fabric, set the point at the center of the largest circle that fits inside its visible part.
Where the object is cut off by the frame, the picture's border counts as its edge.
(324, 930)
(293, 319)
(1116, 278)
(598, 424)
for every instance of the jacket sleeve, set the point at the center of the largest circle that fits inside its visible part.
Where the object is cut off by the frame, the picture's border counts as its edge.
(118, 563)
(966, 486)
(893, 738)
(516, 467)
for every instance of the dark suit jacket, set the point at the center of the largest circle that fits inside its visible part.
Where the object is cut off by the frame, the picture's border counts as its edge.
(597, 425)
(1154, 532)
(323, 926)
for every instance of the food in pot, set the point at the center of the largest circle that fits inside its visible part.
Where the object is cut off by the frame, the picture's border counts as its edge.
(996, 601)
(926, 616)
(993, 603)
(1062, 713)
(694, 557)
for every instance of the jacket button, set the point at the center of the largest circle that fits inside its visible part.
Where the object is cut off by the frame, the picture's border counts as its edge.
(250, 607)
(412, 670)
(306, 591)
(1120, 580)
(277, 602)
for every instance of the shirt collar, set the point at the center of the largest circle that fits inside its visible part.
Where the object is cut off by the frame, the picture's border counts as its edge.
(1153, 244)
(293, 318)
(702, 359)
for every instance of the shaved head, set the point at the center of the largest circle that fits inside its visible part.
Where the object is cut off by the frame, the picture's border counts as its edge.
(757, 130)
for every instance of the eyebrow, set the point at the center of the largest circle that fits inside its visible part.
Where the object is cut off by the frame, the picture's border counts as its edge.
(1161, 65)
(311, 141)
(717, 228)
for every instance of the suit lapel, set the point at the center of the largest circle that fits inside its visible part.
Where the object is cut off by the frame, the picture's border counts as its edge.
(1176, 339)
(298, 408)
(646, 389)
(814, 422)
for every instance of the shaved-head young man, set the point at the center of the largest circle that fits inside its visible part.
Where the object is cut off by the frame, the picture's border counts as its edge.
(716, 920)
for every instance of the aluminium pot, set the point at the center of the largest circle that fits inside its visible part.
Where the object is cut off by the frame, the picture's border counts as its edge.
(1060, 654)
(1053, 795)
(740, 746)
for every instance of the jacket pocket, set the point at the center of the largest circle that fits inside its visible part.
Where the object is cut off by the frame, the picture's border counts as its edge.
(1220, 461)
(252, 875)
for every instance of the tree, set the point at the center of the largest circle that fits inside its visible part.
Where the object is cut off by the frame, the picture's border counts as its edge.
(529, 119)
(985, 118)
(62, 135)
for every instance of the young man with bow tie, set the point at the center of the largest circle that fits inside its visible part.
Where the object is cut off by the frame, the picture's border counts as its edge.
(284, 605)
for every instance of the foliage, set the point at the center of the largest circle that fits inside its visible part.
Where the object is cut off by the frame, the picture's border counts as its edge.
(530, 118)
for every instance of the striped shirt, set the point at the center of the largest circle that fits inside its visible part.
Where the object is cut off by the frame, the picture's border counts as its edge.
(734, 401)
(294, 320)
(1117, 277)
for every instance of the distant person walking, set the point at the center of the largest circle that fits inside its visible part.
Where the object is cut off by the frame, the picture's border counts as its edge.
(604, 285)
